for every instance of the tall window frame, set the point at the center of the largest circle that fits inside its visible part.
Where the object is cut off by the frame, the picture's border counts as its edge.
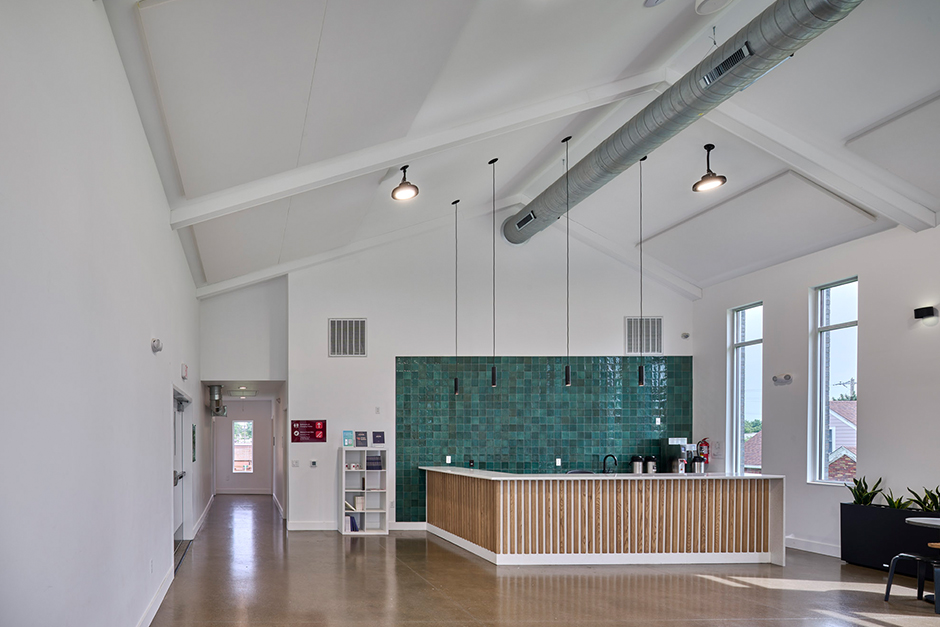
(746, 374)
(825, 325)
(243, 447)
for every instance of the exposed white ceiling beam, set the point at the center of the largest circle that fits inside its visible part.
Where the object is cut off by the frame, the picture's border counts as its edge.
(383, 156)
(214, 289)
(836, 169)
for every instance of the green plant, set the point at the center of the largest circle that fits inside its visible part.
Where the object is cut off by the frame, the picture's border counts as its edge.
(861, 493)
(896, 503)
(929, 501)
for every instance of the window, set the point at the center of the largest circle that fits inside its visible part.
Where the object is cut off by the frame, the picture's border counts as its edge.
(836, 380)
(746, 389)
(242, 445)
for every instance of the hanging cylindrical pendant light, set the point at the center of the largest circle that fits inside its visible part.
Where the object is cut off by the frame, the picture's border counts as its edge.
(456, 379)
(567, 271)
(492, 163)
(641, 371)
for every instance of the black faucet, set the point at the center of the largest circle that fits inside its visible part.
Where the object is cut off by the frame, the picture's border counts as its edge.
(605, 462)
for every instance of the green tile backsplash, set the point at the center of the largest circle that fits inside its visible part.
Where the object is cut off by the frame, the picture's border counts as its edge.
(531, 418)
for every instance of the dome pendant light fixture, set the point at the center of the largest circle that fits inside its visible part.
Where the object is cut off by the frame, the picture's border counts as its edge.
(641, 371)
(456, 379)
(405, 190)
(567, 271)
(710, 180)
(492, 162)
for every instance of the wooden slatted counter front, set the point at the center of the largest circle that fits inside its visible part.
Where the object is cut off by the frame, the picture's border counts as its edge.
(608, 519)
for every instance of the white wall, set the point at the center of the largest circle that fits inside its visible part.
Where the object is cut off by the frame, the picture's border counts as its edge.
(89, 272)
(405, 290)
(898, 365)
(260, 480)
(243, 334)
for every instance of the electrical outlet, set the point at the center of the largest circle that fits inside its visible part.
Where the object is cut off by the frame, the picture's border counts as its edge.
(151, 567)
(295, 463)
(558, 462)
(447, 459)
(659, 420)
(313, 463)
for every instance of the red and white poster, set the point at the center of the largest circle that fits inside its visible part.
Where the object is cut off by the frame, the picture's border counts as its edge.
(308, 430)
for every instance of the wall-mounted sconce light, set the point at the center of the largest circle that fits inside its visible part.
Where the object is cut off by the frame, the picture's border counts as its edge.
(923, 313)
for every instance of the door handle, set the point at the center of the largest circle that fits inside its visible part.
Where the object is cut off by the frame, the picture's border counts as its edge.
(177, 476)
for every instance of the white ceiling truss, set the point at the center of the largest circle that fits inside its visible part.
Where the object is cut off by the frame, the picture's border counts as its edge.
(289, 122)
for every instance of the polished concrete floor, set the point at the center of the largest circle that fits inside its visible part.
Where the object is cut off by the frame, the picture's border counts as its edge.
(245, 569)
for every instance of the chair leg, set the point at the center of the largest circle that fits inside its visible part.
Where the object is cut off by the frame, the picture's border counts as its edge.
(921, 577)
(894, 563)
(936, 591)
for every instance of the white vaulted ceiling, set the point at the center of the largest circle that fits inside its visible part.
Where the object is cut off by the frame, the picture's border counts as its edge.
(278, 127)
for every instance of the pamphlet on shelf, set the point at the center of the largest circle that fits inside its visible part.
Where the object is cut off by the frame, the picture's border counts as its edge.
(349, 507)
(362, 439)
(348, 438)
(354, 526)
(378, 439)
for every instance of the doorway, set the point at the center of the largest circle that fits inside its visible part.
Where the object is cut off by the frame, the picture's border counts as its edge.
(244, 451)
(181, 482)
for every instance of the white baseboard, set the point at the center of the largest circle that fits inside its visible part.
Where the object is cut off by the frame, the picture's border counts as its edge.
(407, 526)
(812, 546)
(311, 525)
(202, 517)
(259, 492)
(157, 599)
(279, 508)
(552, 559)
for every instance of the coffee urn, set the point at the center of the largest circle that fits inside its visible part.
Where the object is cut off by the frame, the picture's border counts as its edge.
(636, 465)
(698, 465)
(650, 463)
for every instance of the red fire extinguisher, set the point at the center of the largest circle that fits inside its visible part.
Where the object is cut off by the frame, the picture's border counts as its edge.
(703, 449)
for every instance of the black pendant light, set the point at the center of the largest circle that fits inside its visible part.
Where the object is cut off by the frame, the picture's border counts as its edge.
(456, 379)
(405, 190)
(710, 180)
(567, 271)
(641, 371)
(492, 162)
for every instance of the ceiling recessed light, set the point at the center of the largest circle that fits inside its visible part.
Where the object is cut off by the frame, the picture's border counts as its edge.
(242, 387)
(710, 180)
(405, 190)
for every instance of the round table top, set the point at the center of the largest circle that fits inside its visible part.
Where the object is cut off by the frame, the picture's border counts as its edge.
(924, 522)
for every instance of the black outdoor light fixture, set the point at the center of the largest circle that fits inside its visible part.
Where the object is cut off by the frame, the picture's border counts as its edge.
(923, 313)
(405, 190)
(710, 180)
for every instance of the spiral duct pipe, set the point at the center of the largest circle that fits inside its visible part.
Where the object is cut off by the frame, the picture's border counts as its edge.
(782, 29)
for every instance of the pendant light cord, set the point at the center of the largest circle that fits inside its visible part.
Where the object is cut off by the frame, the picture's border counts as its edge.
(455, 277)
(642, 322)
(493, 163)
(567, 257)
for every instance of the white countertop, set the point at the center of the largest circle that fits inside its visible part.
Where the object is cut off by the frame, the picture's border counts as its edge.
(499, 476)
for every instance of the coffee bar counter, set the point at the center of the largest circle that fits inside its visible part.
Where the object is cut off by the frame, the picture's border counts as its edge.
(518, 519)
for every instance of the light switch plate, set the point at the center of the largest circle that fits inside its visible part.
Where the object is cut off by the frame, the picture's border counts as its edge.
(558, 461)
(447, 459)
(295, 463)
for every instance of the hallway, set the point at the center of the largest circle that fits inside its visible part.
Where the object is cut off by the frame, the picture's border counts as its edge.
(243, 569)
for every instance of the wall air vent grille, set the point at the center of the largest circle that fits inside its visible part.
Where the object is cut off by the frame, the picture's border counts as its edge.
(347, 337)
(736, 57)
(644, 335)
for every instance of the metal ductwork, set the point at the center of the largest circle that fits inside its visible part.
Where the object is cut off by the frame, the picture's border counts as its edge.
(769, 39)
(215, 401)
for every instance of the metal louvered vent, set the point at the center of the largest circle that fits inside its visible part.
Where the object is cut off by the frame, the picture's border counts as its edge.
(347, 337)
(736, 57)
(644, 335)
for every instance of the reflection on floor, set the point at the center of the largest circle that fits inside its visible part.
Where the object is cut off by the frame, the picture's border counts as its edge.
(244, 569)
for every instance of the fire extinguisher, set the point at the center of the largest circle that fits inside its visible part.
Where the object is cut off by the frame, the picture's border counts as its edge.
(703, 449)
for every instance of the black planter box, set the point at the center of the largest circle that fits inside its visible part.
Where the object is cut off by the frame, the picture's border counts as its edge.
(873, 534)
